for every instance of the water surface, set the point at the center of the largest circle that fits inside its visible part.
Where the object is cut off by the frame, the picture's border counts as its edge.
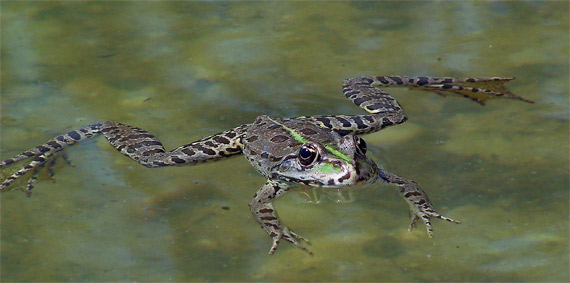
(183, 70)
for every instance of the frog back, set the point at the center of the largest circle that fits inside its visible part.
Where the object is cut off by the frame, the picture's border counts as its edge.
(270, 140)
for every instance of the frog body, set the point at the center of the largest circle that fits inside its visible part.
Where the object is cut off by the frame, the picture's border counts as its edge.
(272, 146)
(321, 151)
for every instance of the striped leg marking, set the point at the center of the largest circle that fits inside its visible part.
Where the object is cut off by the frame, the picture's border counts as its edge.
(45, 152)
(133, 142)
(56, 144)
(385, 111)
(34, 166)
(147, 150)
(264, 213)
(476, 89)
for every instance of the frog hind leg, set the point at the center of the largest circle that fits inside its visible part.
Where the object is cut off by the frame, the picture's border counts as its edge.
(133, 142)
(147, 150)
(35, 165)
(264, 213)
(418, 201)
(477, 89)
(49, 163)
(45, 153)
(383, 109)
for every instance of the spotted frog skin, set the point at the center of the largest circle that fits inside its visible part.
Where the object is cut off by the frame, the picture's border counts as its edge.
(321, 151)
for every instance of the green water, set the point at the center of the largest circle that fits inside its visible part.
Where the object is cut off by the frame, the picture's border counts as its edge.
(183, 70)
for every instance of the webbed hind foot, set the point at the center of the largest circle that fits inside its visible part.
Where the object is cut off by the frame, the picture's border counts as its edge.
(47, 161)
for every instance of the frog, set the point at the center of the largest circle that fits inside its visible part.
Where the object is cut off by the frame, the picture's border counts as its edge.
(324, 151)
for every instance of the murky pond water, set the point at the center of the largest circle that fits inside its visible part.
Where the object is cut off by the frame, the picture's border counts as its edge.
(183, 70)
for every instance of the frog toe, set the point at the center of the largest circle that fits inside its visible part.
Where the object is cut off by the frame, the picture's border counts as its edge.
(447, 219)
(296, 240)
(299, 237)
(426, 216)
(291, 237)
(429, 228)
(274, 245)
(31, 182)
(413, 220)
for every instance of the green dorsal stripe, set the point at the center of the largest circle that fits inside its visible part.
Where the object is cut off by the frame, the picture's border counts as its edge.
(338, 153)
(301, 139)
(295, 135)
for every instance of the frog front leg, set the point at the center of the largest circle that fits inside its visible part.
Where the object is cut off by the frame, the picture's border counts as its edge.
(264, 213)
(417, 199)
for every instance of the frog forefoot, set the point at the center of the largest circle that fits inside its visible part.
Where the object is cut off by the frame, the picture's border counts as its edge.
(290, 236)
(425, 213)
(417, 199)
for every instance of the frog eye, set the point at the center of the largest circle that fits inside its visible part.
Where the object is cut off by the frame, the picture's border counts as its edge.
(360, 145)
(307, 155)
